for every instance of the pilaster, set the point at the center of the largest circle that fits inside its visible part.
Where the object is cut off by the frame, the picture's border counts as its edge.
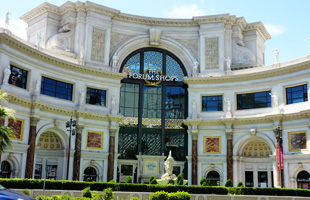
(77, 153)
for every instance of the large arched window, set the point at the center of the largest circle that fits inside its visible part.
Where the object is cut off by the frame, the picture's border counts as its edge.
(213, 178)
(154, 102)
(303, 180)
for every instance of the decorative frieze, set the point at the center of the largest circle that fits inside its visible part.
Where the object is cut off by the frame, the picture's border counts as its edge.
(191, 44)
(211, 53)
(117, 38)
(98, 42)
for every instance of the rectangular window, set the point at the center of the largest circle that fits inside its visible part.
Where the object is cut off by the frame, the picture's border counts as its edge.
(96, 97)
(296, 94)
(56, 88)
(18, 77)
(38, 171)
(249, 179)
(212, 103)
(51, 172)
(253, 100)
(262, 179)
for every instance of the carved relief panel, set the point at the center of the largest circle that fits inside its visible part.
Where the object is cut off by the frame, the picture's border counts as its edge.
(18, 128)
(98, 43)
(212, 144)
(212, 53)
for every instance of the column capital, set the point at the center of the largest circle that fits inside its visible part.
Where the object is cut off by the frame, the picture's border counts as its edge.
(193, 133)
(79, 128)
(34, 121)
(229, 134)
(114, 131)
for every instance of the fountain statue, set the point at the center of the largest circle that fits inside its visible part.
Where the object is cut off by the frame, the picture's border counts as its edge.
(167, 177)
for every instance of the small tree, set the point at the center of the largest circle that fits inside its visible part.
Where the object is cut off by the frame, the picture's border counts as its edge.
(180, 179)
(108, 194)
(128, 179)
(229, 183)
(203, 181)
(240, 184)
(153, 180)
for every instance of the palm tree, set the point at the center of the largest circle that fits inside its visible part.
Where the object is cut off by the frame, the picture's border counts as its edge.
(5, 132)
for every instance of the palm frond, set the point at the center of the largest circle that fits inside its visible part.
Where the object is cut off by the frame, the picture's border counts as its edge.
(5, 134)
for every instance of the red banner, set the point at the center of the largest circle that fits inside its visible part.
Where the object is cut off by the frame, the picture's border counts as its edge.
(280, 155)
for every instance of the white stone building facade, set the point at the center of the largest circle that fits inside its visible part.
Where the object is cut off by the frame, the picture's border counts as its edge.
(216, 105)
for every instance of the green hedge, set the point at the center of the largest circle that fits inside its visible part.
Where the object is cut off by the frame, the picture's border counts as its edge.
(99, 186)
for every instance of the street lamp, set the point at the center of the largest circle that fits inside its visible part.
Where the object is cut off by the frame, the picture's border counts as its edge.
(70, 125)
(279, 141)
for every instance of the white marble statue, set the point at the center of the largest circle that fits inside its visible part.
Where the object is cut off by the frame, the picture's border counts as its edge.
(114, 61)
(276, 56)
(195, 68)
(7, 73)
(113, 102)
(228, 102)
(228, 63)
(38, 87)
(38, 39)
(82, 53)
(82, 97)
(7, 20)
(194, 109)
(275, 99)
(168, 168)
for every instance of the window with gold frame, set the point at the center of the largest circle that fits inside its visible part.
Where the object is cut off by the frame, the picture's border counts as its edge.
(297, 140)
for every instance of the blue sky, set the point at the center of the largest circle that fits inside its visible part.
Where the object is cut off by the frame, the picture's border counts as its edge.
(287, 21)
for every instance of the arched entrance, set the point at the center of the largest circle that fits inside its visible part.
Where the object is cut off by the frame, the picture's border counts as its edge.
(49, 156)
(213, 178)
(5, 170)
(90, 174)
(153, 100)
(256, 167)
(303, 180)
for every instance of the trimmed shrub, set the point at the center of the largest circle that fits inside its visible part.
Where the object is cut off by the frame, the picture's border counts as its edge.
(65, 197)
(55, 197)
(87, 193)
(179, 195)
(240, 184)
(153, 180)
(171, 182)
(203, 181)
(162, 195)
(112, 181)
(180, 179)
(26, 192)
(128, 179)
(108, 194)
(42, 197)
(229, 183)
(134, 198)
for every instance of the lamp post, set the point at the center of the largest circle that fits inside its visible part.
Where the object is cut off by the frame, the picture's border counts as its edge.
(279, 141)
(70, 125)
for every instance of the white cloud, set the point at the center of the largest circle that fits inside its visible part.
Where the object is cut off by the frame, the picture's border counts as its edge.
(275, 30)
(17, 27)
(184, 11)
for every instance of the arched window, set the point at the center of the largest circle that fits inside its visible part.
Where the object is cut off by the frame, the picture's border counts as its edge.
(154, 102)
(213, 178)
(90, 174)
(5, 170)
(303, 180)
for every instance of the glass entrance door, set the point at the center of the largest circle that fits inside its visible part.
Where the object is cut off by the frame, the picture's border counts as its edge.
(262, 179)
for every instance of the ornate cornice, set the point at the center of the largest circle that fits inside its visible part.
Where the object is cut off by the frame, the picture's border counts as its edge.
(266, 73)
(90, 6)
(211, 19)
(258, 26)
(41, 9)
(32, 52)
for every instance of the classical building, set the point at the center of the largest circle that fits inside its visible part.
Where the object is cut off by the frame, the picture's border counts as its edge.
(139, 87)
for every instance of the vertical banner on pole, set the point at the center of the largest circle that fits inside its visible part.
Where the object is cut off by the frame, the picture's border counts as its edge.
(280, 156)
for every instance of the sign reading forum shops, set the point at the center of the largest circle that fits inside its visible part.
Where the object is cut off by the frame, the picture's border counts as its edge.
(152, 77)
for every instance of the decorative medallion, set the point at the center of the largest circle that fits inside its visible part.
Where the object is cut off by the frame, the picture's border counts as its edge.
(212, 144)
(94, 140)
(297, 140)
(150, 166)
(18, 128)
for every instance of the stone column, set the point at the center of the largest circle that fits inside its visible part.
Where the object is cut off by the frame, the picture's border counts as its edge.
(31, 149)
(113, 132)
(77, 154)
(194, 134)
(229, 155)
(1, 124)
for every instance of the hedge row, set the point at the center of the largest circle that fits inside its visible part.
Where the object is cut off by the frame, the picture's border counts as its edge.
(99, 186)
